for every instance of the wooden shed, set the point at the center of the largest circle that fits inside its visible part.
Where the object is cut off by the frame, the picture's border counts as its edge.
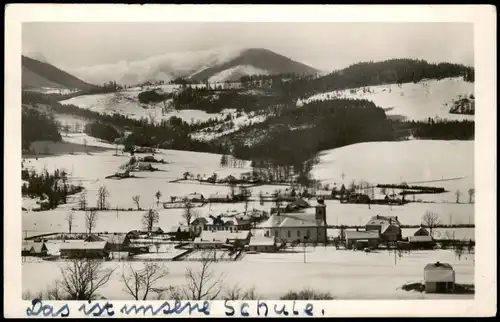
(439, 278)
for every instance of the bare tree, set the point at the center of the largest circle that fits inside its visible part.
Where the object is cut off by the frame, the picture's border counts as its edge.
(150, 218)
(202, 284)
(82, 278)
(430, 219)
(140, 283)
(471, 192)
(458, 193)
(189, 213)
(69, 218)
(136, 200)
(158, 196)
(102, 195)
(236, 293)
(90, 219)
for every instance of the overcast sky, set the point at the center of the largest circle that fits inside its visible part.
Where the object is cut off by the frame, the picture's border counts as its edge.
(326, 46)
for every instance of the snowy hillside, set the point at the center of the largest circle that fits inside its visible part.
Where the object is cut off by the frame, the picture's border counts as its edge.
(235, 73)
(233, 125)
(407, 161)
(428, 98)
(126, 103)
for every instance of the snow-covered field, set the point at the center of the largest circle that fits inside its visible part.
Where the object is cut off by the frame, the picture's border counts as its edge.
(406, 161)
(126, 103)
(427, 98)
(422, 160)
(345, 274)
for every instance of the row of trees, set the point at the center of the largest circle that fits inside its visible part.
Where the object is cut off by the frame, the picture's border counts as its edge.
(393, 71)
(53, 188)
(81, 280)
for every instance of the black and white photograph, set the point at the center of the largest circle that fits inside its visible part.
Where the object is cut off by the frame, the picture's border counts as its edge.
(237, 160)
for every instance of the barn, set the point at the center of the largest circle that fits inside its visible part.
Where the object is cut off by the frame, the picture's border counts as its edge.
(94, 250)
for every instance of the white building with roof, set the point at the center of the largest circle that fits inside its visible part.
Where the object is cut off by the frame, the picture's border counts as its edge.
(298, 224)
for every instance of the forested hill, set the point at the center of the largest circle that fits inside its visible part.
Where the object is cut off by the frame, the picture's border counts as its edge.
(394, 71)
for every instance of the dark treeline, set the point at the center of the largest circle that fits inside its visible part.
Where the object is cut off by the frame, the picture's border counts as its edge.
(323, 125)
(295, 136)
(151, 96)
(203, 99)
(434, 129)
(37, 126)
(102, 131)
(394, 71)
(52, 187)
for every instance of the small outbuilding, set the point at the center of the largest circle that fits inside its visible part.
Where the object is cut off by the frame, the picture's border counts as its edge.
(439, 278)
(262, 244)
(362, 239)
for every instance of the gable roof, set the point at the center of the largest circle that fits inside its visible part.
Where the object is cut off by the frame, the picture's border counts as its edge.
(421, 229)
(38, 248)
(117, 239)
(386, 227)
(370, 234)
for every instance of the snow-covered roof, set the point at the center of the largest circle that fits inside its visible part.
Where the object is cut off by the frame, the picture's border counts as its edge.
(353, 234)
(419, 239)
(84, 245)
(439, 272)
(381, 220)
(293, 220)
(224, 235)
(261, 241)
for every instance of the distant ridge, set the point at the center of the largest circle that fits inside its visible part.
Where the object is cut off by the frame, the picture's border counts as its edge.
(37, 74)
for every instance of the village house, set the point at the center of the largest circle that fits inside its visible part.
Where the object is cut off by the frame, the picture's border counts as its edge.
(180, 232)
(439, 278)
(421, 232)
(262, 244)
(115, 242)
(195, 197)
(219, 239)
(362, 239)
(388, 226)
(221, 223)
(219, 198)
(94, 250)
(301, 223)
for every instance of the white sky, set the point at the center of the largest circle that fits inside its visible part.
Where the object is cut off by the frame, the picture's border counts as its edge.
(326, 46)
